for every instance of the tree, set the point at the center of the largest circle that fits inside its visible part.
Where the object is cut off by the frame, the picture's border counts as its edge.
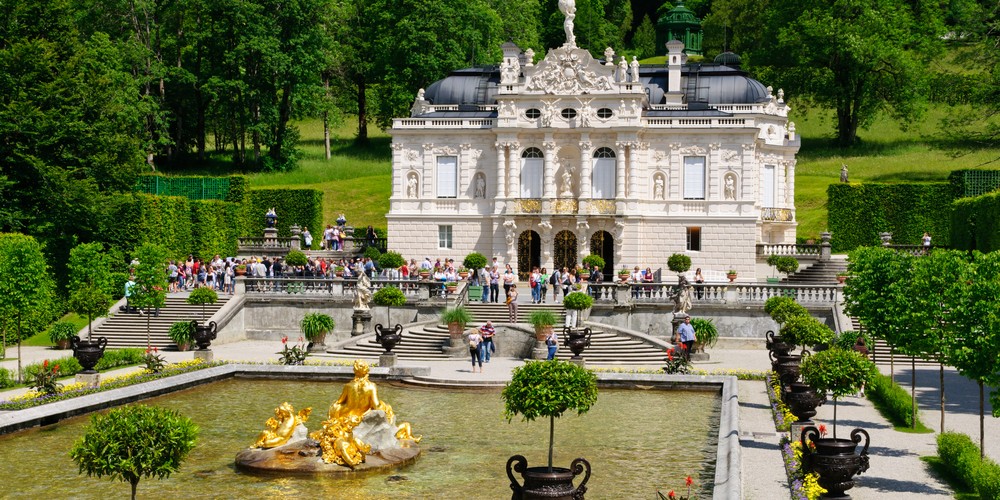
(150, 287)
(868, 295)
(25, 284)
(520, 22)
(859, 58)
(90, 285)
(644, 40)
(132, 442)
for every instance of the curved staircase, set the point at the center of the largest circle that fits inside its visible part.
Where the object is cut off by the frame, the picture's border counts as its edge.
(423, 343)
(129, 329)
(608, 348)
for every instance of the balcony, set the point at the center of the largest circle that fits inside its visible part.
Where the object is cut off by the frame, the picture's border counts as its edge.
(773, 214)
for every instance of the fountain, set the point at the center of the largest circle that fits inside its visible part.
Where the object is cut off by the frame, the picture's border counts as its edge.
(360, 434)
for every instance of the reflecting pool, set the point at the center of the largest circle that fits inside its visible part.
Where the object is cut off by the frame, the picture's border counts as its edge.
(636, 441)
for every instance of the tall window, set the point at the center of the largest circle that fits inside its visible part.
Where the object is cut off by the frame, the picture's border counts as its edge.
(447, 176)
(604, 174)
(767, 183)
(532, 163)
(694, 177)
(444, 236)
(694, 239)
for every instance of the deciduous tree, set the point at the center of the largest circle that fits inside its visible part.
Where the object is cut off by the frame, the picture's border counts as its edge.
(90, 285)
(25, 284)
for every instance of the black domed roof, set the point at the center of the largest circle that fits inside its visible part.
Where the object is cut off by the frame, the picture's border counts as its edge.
(728, 58)
(466, 86)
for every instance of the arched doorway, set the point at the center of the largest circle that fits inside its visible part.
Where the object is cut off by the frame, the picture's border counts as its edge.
(603, 244)
(529, 253)
(565, 250)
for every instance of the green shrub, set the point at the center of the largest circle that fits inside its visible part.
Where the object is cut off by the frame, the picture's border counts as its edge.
(859, 212)
(847, 339)
(391, 260)
(474, 261)
(68, 366)
(181, 332)
(578, 301)
(594, 260)
(293, 206)
(787, 264)
(458, 315)
(786, 309)
(61, 330)
(892, 401)
(805, 331)
(679, 263)
(975, 223)
(837, 371)
(296, 258)
(389, 296)
(7, 378)
(131, 220)
(705, 331)
(373, 253)
(314, 325)
(214, 228)
(961, 457)
(775, 301)
(116, 358)
(541, 318)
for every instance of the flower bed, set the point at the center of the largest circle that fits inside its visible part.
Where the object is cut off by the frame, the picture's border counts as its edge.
(738, 373)
(804, 486)
(783, 417)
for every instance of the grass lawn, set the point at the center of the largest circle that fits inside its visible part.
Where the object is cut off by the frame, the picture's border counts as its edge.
(41, 339)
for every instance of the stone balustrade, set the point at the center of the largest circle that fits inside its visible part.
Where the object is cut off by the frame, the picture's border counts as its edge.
(341, 288)
(790, 249)
(627, 294)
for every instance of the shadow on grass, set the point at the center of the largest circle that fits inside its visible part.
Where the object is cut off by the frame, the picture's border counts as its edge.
(377, 148)
(818, 148)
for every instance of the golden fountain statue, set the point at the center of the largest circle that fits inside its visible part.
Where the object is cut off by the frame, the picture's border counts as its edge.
(281, 426)
(361, 429)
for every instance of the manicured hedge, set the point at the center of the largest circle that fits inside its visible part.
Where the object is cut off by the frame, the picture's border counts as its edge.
(293, 206)
(133, 219)
(975, 223)
(238, 187)
(961, 457)
(194, 187)
(859, 212)
(112, 358)
(214, 228)
(892, 401)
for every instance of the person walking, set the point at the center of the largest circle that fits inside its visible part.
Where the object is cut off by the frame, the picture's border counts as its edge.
(556, 281)
(512, 303)
(567, 281)
(552, 343)
(488, 332)
(687, 336)
(545, 284)
(476, 350)
(534, 281)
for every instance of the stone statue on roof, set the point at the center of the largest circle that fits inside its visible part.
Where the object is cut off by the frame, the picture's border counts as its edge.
(568, 8)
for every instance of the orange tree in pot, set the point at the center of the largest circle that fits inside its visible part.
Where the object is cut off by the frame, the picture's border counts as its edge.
(456, 318)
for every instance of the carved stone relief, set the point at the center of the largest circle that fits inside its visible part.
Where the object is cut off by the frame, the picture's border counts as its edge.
(566, 71)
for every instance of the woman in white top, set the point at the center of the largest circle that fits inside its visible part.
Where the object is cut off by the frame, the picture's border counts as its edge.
(475, 350)
(508, 281)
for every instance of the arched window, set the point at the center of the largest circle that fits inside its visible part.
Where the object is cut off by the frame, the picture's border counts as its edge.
(532, 160)
(604, 174)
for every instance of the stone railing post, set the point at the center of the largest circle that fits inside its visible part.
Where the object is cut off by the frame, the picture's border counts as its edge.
(886, 238)
(824, 246)
(240, 288)
(730, 293)
(296, 237)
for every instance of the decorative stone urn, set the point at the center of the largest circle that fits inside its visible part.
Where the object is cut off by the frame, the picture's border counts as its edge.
(388, 337)
(787, 366)
(802, 400)
(88, 352)
(540, 482)
(777, 344)
(834, 460)
(576, 340)
(204, 334)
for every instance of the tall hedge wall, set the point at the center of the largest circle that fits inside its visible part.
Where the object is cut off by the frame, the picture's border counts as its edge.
(214, 227)
(975, 223)
(859, 212)
(293, 206)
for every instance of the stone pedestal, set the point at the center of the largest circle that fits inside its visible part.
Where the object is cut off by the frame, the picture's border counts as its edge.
(795, 430)
(205, 355)
(540, 351)
(316, 347)
(91, 379)
(578, 360)
(387, 360)
(457, 348)
(361, 322)
(699, 356)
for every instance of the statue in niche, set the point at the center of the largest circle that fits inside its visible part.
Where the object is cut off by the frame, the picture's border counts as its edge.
(548, 111)
(658, 186)
(510, 228)
(729, 191)
(411, 186)
(635, 69)
(568, 8)
(586, 112)
(567, 181)
(480, 191)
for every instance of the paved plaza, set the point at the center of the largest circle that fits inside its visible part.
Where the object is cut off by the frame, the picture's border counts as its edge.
(896, 469)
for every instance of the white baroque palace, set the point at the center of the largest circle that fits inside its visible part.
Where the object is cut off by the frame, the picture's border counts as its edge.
(542, 164)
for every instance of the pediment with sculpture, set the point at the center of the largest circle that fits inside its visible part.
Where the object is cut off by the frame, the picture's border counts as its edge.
(569, 71)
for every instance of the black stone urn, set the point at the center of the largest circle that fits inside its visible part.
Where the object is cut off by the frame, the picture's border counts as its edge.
(802, 400)
(787, 366)
(777, 344)
(388, 337)
(540, 482)
(203, 334)
(576, 340)
(88, 352)
(834, 460)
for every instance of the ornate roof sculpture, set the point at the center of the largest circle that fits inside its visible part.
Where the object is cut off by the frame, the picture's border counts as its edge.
(569, 71)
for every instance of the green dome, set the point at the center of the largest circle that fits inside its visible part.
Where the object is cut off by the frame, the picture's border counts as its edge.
(679, 23)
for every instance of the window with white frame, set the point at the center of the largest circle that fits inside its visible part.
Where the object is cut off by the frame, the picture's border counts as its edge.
(532, 163)
(694, 177)
(444, 237)
(694, 239)
(603, 181)
(447, 176)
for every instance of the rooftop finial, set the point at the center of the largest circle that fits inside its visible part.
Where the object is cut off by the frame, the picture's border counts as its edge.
(568, 8)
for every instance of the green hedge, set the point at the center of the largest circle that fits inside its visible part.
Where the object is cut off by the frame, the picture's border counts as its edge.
(7, 378)
(859, 212)
(133, 219)
(194, 187)
(293, 206)
(961, 457)
(238, 187)
(975, 223)
(214, 228)
(892, 401)
(973, 182)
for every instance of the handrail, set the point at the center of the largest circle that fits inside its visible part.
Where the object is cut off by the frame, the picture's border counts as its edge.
(413, 289)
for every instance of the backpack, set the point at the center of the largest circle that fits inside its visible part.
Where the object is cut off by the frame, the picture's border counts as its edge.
(554, 279)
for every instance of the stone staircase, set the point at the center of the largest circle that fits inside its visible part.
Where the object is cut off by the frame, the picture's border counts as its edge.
(882, 353)
(129, 329)
(823, 272)
(423, 343)
(607, 348)
(497, 313)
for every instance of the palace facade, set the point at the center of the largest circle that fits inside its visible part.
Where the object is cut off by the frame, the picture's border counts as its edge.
(540, 164)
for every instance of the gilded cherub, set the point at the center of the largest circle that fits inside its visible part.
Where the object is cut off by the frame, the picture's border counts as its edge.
(281, 426)
(339, 444)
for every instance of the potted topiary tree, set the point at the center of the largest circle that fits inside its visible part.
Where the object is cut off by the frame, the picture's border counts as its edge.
(593, 260)
(315, 326)
(205, 332)
(548, 389)
(801, 331)
(391, 262)
(61, 332)
(679, 263)
(772, 260)
(182, 333)
(574, 303)
(474, 261)
(787, 265)
(136, 441)
(296, 258)
(388, 336)
(837, 372)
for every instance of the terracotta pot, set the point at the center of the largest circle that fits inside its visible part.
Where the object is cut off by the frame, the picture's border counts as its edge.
(455, 330)
(63, 344)
(540, 482)
(841, 279)
(339, 274)
(424, 275)
(834, 460)
(240, 272)
(184, 346)
(542, 332)
(463, 274)
(731, 277)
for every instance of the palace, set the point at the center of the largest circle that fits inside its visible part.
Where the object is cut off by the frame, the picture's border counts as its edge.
(540, 164)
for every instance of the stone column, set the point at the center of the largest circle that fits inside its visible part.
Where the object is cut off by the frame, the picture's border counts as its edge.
(633, 150)
(514, 172)
(549, 168)
(620, 170)
(501, 179)
(586, 167)
(824, 246)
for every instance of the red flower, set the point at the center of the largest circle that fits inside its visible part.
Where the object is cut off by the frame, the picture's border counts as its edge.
(284, 340)
(45, 364)
(671, 494)
(55, 369)
(822, 430)
(670, 354)
(156, 349)
(688, 481)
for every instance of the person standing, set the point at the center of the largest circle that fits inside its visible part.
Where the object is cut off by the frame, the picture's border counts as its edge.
(307, 238)
(927, 241)
(545, 284)
(699, 282)
(552, 343)
(512, 303)
(508, 282)
(476, 350)
(567, 281)
(687, 336)
(556, 281)
(534, 281)
(488, 332)
(495, 284)
(484, 279)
